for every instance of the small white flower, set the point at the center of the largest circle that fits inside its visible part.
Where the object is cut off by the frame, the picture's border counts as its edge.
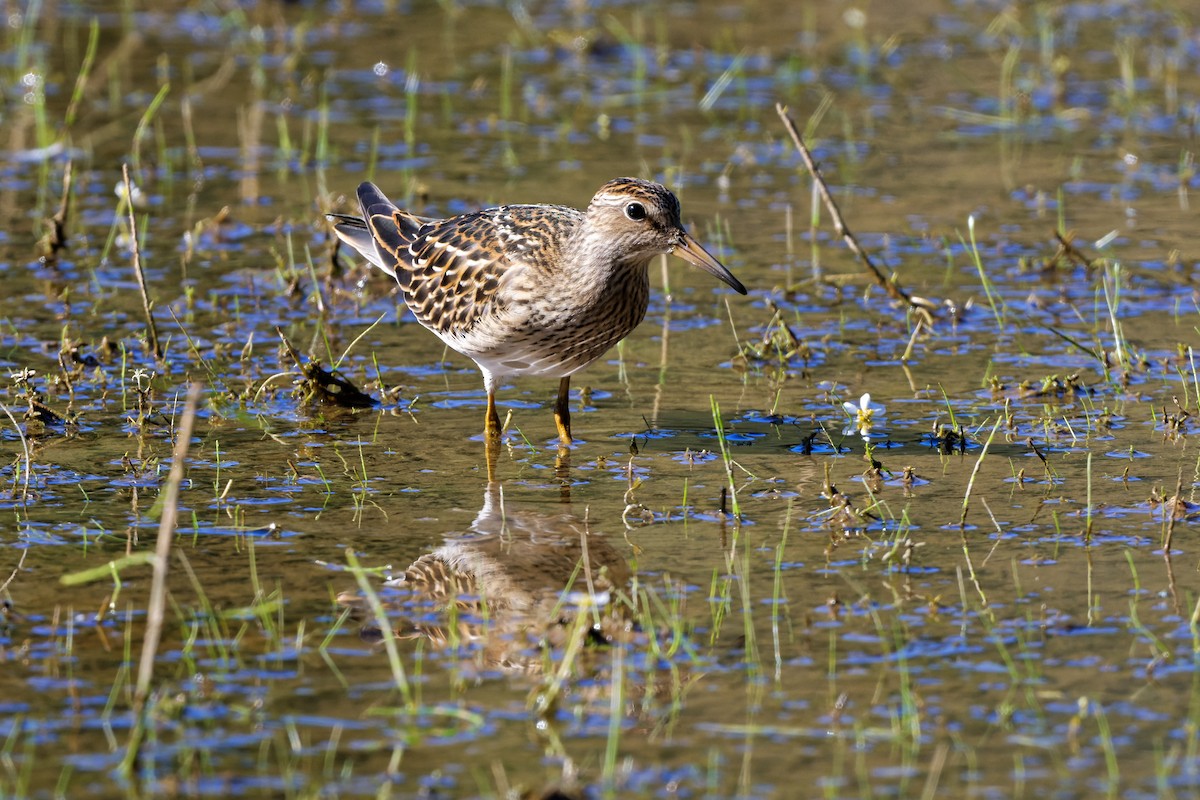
(862, 415)
(142, 377)
(136, 196)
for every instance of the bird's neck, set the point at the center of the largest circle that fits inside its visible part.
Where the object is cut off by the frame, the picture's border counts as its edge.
(595, 260)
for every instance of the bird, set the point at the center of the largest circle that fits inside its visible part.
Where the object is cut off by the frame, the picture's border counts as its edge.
(522, 574)
(529, 289)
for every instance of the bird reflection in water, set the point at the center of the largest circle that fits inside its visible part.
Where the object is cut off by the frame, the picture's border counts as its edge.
(521, 580)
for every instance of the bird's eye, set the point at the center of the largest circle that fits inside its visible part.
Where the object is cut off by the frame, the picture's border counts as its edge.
(635, 211)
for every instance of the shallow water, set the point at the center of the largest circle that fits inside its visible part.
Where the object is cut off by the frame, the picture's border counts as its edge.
(661, 611)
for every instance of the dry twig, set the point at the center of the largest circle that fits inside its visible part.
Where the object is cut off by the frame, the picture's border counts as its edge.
(56, 235)
(156, 606)
(1170, 508)
(1066, 247)
(151, 329)
(921, 307)
(321, 384)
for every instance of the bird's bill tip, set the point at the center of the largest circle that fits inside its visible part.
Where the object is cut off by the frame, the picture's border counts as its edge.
(694, 253)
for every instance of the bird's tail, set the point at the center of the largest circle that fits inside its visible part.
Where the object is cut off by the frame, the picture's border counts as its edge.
(384, 232)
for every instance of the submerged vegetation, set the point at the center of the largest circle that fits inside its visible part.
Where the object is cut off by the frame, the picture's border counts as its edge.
(913, 520)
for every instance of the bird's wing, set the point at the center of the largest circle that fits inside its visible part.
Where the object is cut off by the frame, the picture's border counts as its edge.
(456, 267)
(450, 270)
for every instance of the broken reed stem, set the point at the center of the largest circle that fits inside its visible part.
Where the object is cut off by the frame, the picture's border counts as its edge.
(151, 329)
(912, 339)
(16, 570)
(28, 456)
(162, 550)
(1066, 247)
(156, 605)
(1172, 508)
(921, 307)
(57, 237)
(962, 520)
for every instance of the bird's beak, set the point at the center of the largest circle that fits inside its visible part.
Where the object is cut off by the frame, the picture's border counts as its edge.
(694, 253)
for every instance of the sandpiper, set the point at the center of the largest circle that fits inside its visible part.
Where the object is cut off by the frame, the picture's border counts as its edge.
(529, 289)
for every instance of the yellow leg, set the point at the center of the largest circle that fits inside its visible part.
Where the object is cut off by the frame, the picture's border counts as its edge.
(562, 472)
(491, 452)
(491, 434)
(491, 423)
(562, 414)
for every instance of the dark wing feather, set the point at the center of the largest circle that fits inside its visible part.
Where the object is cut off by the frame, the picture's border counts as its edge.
(392, 229)
(450, 270)
(383, 234)
(456, 266)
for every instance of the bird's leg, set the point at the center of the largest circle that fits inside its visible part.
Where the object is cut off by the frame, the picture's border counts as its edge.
(491, 422)
(562, 414)
(562, 472)
(491, 449)
(491, 427)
